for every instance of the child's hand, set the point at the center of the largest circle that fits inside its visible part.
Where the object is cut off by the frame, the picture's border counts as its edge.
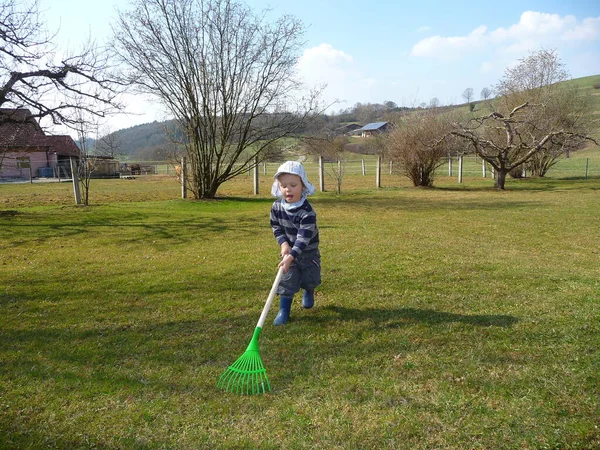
(285, 249)
(286, 262)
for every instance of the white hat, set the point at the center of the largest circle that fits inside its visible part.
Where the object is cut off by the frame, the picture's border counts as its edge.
(295, 168)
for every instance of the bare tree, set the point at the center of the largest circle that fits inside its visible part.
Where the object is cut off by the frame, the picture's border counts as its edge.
(389, 105)
(508, 141)
(55, 90)
(109, 144)
(369, 112)
(534, 75)
(536, 118)
(87, 164)
(468, 95)
(554, 151)
(225, 74)
(565, 109)
(539, 79)
(52, 91)
(419, 145)
(332, 148)
(486, 93)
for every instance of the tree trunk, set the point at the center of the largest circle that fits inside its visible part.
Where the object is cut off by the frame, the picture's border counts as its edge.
(500, 178)
(205, 192)
(230, 64)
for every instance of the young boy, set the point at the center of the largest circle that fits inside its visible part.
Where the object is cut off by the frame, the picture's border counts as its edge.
(294, 225)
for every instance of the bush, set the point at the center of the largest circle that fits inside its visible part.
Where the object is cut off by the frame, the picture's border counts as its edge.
(517, 172)
(417, 145)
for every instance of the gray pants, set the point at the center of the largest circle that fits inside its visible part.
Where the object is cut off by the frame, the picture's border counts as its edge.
(305, 273)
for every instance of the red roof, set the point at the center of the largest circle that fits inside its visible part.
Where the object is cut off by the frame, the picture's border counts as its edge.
(20, 131)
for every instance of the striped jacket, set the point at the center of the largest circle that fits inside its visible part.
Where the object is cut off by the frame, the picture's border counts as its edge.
(297, 227)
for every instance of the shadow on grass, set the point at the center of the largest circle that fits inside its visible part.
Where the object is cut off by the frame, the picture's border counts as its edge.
(125, 227)
(258, 200)
(370, 203)
(22, 436)
(398, 317)
(536, 184)
(349, 338)
(122, 365)
(116, 356)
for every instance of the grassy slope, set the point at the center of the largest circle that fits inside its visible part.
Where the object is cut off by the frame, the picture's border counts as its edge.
(452, 318)
(586, 86)
(139, 136)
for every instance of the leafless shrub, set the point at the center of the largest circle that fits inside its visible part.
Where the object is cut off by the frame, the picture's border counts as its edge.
(419, 145)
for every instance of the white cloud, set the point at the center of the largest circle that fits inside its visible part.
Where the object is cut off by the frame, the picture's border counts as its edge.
(519, 47)
(324, 54)
(448, 48)
(487, 67)
(589, 30)
(534, 30)
(337, 69)
(535, 25)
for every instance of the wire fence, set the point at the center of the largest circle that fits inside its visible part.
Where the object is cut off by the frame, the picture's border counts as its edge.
(470, 167)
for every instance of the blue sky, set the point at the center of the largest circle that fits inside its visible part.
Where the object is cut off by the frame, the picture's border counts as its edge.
(406, 52)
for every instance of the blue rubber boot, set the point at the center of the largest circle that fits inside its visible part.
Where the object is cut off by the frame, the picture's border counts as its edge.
(285, 304)
(308, 299)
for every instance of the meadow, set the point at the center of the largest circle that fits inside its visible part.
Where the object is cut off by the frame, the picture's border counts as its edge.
(457, 317)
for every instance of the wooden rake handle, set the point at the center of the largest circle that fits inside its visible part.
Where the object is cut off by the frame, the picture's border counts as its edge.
(270, 298)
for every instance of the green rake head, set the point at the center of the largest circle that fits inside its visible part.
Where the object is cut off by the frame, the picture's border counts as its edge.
(247, 375)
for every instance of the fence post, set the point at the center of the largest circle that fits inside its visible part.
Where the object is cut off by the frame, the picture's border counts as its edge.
(75, 181)
(321, 175)
(363, 168)
(255, 176)
(587, 165)
(483, 168)
(183, 180)
(391, 167)
(265, 168)
(378, 172)
(460, 169)
(449, 165)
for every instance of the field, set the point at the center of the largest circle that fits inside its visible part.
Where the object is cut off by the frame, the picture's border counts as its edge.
(457, 317)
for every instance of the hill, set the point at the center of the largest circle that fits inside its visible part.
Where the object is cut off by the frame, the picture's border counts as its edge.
(591, 86)
(149, 141)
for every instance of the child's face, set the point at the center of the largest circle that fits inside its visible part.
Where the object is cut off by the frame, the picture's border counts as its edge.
(291, 187)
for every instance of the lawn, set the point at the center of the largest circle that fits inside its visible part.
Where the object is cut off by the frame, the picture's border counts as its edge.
(457, 317)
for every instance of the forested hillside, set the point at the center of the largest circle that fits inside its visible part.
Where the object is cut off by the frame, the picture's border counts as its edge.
(149, 141)
(145, 142)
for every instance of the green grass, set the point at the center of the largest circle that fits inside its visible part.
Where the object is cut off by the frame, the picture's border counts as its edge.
(586, 85)
(449, 318)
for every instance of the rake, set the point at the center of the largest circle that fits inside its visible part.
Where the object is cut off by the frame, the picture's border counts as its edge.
(247, 375)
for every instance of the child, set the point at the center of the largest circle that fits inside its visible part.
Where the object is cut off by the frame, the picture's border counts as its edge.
(294, 225)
